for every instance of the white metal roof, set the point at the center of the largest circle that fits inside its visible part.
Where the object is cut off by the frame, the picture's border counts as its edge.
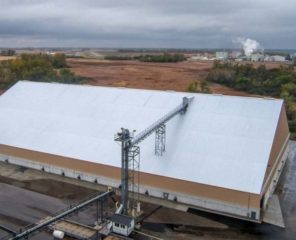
(223, 141)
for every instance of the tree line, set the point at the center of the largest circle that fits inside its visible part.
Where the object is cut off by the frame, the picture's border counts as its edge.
(159, 58)
(162, 58)
(37, 67)
(276, 82)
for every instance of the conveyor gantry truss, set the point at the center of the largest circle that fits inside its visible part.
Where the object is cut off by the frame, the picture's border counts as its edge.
(46, 222)
(130, 152)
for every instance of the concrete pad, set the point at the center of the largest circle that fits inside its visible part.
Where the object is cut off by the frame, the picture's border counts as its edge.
(273, 213)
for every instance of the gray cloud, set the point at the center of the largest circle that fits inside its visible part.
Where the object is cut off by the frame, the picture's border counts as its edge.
(146, 23)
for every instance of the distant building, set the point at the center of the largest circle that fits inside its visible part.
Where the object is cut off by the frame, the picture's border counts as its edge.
(238, 59)
(257, 57)
(278, 58)
(222, 55)
(242, 58)
(275, 58)
(268, 58)
(198, 57)
(235, 54)
(50, 53)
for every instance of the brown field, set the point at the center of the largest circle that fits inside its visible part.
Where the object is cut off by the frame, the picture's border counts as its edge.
(134, 74)
(269, 65)
(3, 58)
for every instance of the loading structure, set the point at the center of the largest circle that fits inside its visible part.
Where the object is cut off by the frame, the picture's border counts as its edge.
(130, 152)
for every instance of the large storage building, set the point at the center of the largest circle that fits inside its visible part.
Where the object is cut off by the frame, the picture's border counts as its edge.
(224, 155)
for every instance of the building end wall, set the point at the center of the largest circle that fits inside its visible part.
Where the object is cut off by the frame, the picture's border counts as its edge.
(277, 159)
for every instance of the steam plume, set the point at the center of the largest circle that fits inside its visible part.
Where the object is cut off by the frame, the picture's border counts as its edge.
(249, 45)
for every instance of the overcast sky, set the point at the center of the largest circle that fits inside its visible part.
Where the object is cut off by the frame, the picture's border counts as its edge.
(146, 23)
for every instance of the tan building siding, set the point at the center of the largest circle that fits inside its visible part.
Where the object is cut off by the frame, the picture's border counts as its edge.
(279, 145)
(195, 189)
